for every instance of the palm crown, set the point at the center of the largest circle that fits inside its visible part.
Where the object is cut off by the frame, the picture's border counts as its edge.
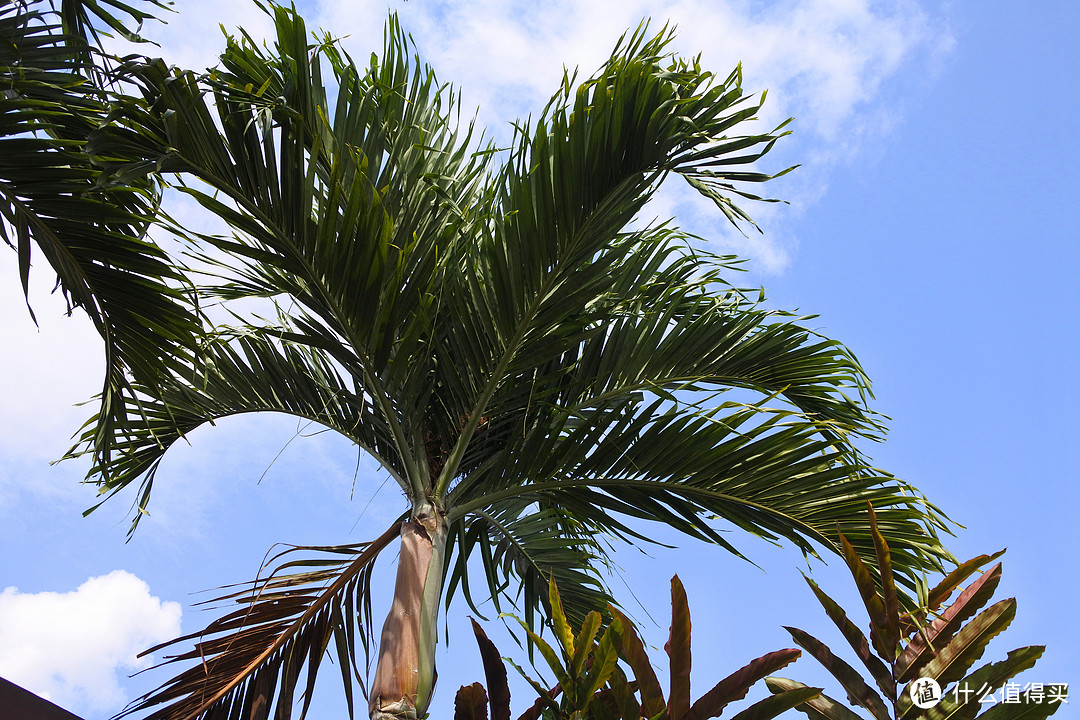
(537, 371)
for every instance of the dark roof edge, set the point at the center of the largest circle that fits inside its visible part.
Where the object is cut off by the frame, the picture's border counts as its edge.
(21, 704)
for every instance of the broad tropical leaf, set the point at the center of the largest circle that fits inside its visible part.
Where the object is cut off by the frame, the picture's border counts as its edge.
(777, 704)
(933, 637)
(498, 694)
(735, 686)
(858, 690)
(822, 707)
(941, 592)
(470, 703)
(991, 677)
(881, 673)
(593, 685)
(951, 662)
(943, 650)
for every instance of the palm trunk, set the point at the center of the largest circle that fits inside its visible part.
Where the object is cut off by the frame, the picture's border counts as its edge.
(405, 673)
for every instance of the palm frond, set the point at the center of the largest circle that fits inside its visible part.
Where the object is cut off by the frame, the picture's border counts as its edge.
(522, 545)
(767, 471)
(81, 18)
(252, 660)
(556, 263)
(347, 208)
(525, 359)
(238, 374)
(56, 202)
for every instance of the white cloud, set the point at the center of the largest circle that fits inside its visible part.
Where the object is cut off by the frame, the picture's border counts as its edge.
(70, 647)
(49, 367)
(194, 36)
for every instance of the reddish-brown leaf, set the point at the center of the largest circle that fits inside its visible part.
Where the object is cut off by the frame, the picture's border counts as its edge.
(736, 685)
(623, 695)
(857, 689)
(494, 673)
(778, 704)
(545, 699)
(470, 703)
(881, 673)
(941, 592)
(678, 650)
(920, 650)
(633, 651)
(890, 627)
(952, 661)
(822, 707)
(875, 607)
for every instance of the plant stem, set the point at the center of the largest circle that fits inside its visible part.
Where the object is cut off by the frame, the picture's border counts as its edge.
(405, 673)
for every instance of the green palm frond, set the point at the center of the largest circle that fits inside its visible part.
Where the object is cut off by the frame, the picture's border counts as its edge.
(237, 375)
(81, 18)
(57, 204)
(521, 545)
(345, 208)
(765, 471)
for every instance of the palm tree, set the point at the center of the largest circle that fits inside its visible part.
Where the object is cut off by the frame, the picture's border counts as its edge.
(538, 372)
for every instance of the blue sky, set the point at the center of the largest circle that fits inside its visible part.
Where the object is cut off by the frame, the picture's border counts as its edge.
(931, 228)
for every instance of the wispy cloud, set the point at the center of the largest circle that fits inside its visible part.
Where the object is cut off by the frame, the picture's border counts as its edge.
(70, 647)
(827, 63)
